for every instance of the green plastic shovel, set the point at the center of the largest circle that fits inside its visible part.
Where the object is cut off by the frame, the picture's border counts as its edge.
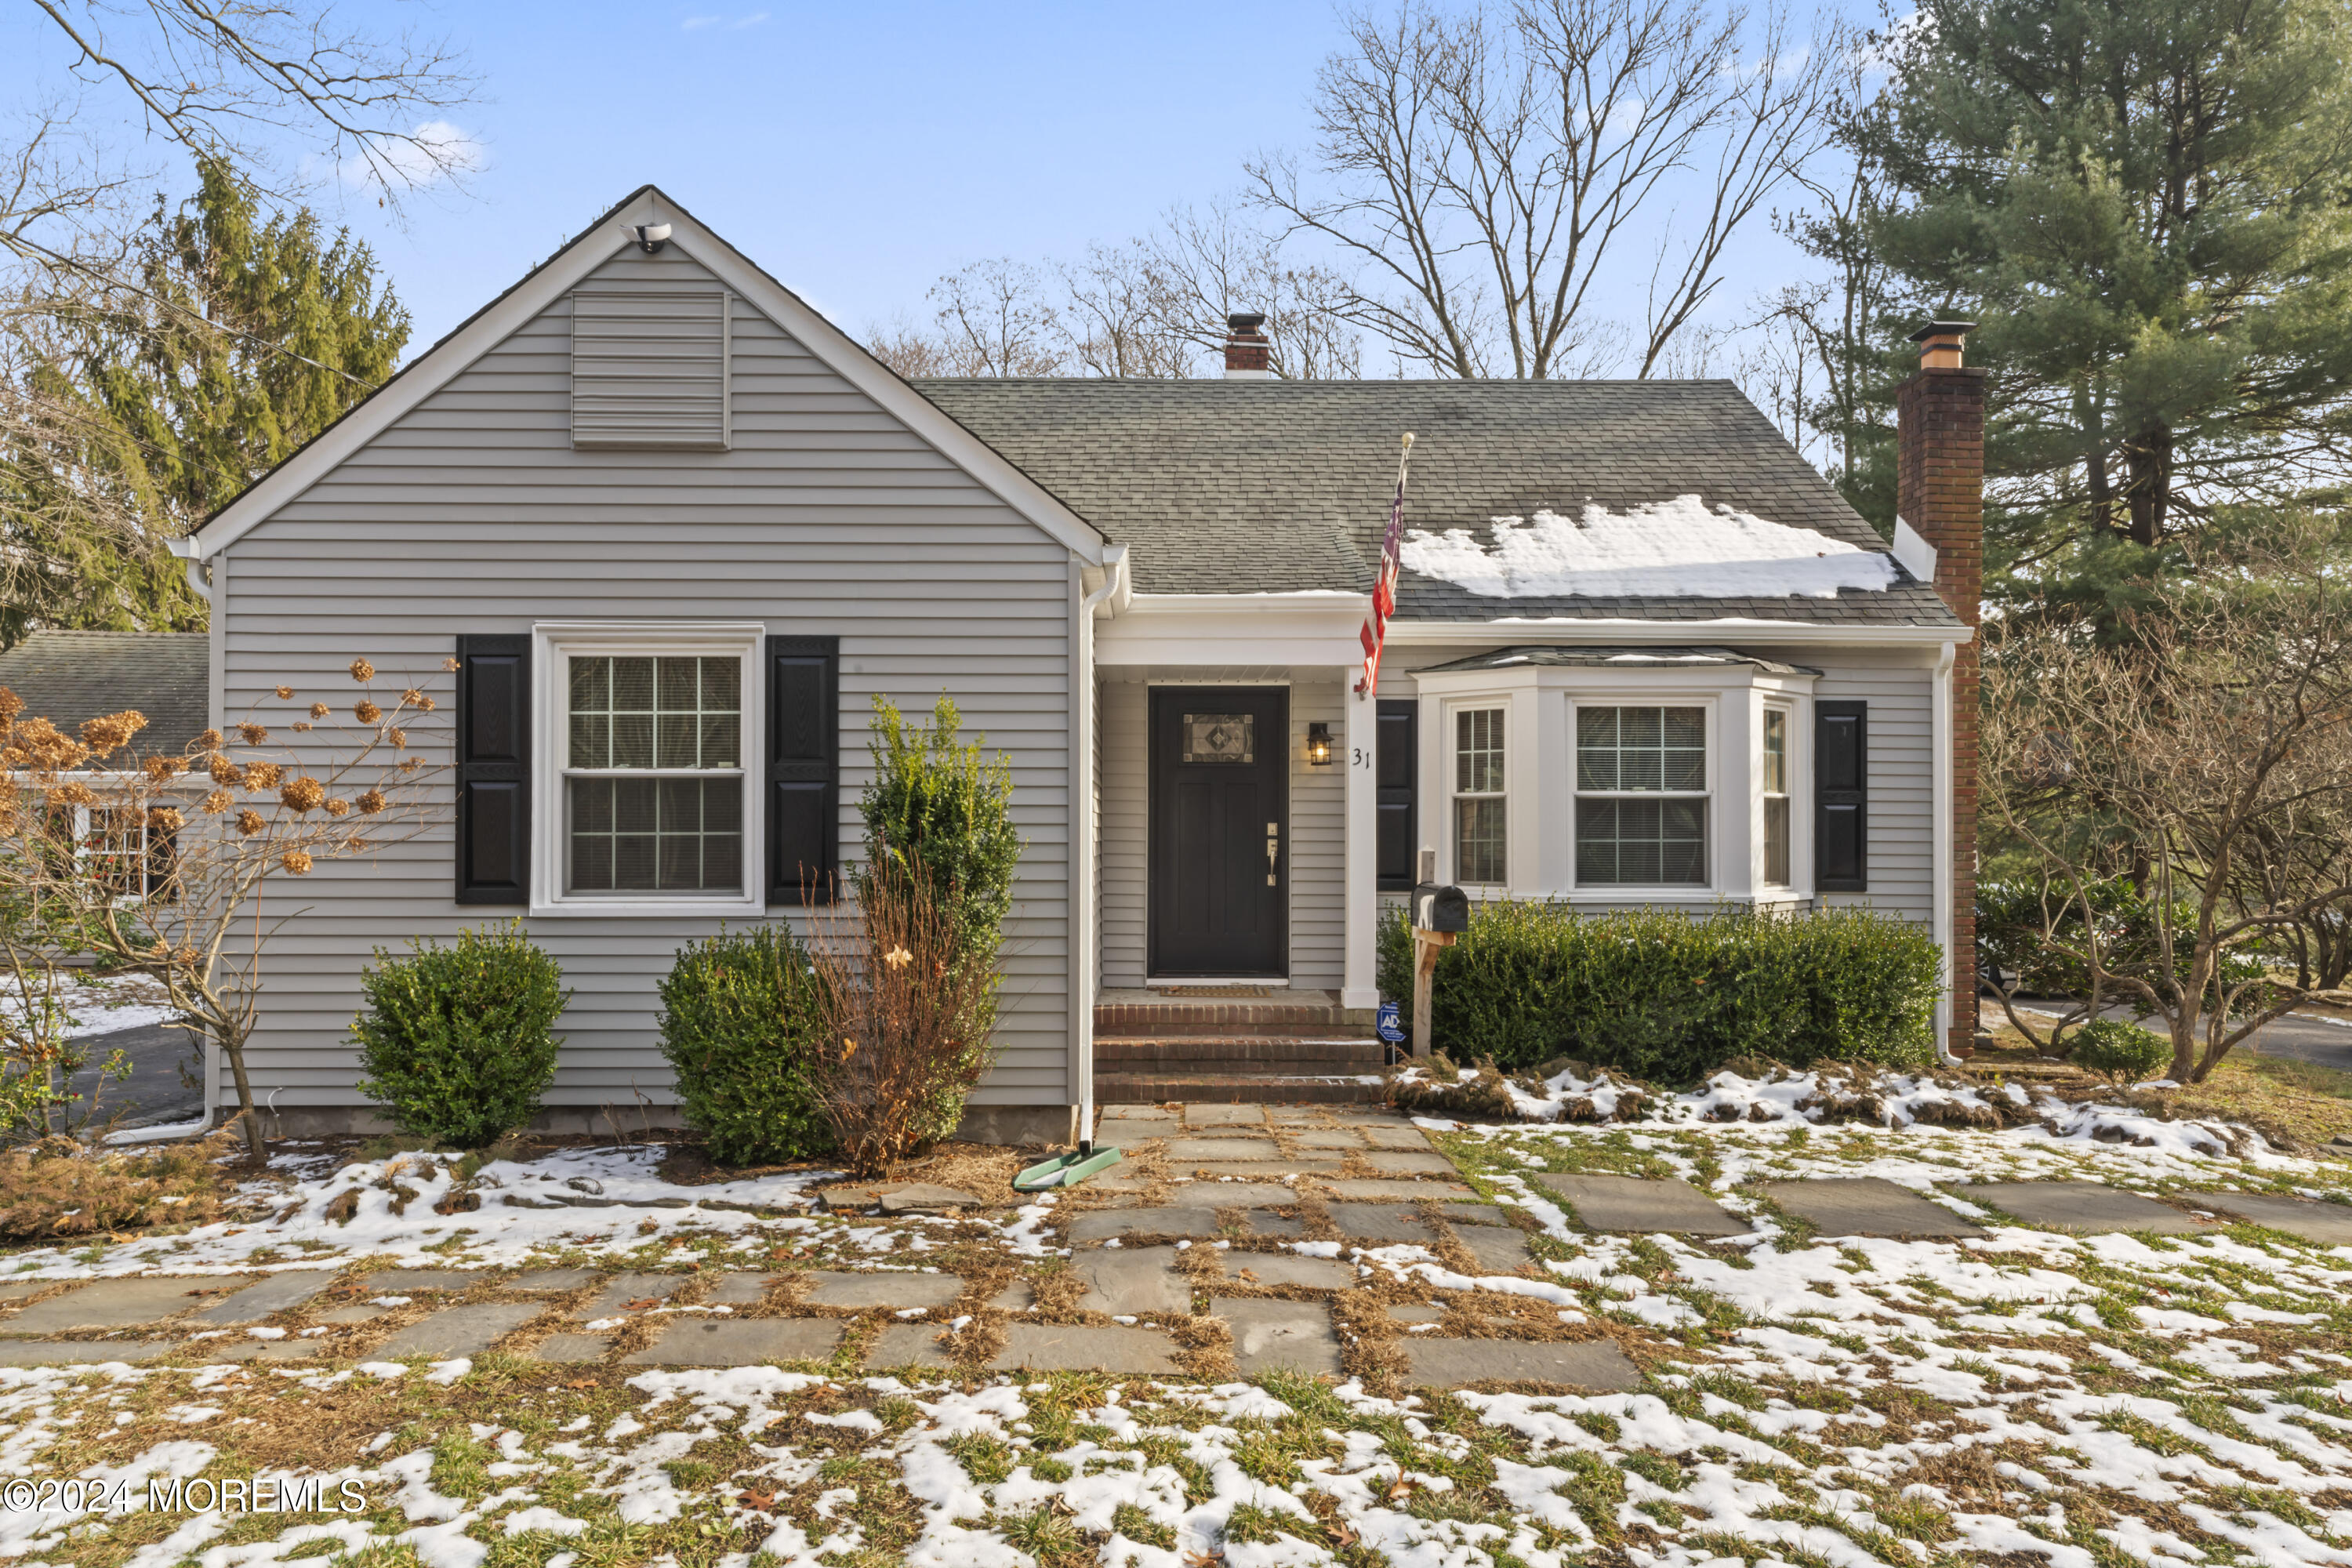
(1065, 1170)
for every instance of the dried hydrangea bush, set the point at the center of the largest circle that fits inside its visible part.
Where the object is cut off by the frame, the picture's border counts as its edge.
(166, 863)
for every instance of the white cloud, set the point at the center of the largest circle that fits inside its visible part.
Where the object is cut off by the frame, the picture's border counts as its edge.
(436, 151)
(752, 20)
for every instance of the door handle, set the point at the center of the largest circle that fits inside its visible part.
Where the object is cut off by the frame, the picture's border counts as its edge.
(1273, 849)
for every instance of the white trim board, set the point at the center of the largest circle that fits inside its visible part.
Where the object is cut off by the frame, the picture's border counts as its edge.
(1563, 629)
(556, 278)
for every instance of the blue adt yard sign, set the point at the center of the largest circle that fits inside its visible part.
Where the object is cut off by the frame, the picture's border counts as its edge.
(1391, 1022)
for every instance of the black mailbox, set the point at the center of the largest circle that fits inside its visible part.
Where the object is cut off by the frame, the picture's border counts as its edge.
(1439, 908)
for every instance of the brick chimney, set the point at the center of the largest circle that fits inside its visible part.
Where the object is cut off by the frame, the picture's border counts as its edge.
(1940, 495)
(1248, 350)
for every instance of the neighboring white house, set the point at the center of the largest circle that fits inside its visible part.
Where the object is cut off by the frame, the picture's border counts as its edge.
(678, 529)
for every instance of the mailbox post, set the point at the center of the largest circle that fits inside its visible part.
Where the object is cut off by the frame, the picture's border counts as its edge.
(1439, 916)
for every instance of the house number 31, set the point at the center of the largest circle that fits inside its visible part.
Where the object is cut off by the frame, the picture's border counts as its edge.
(1358, 757)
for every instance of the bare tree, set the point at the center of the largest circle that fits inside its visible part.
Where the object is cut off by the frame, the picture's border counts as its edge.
(1117, 316)
(1483, 170)
(996, 319)
(1151, 308)
(239, 79)
(1213, 262)
(2217, 729)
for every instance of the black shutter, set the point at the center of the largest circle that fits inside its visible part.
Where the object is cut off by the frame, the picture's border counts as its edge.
(803, 768)
(1398, 766)
(1840, 797)
(494, 770)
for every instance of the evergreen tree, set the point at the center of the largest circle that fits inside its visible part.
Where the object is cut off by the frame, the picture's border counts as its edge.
(265, 333)
(2147, 207)
(164, 388)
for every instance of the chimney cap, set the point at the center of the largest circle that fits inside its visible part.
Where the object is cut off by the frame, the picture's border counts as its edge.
(1245, 322)
(1941, 330)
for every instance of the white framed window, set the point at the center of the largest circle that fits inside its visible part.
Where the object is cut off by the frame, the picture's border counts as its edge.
(646, 787)
(114, 848)
(1481, 804)
(1642, 788)
(1773, 786)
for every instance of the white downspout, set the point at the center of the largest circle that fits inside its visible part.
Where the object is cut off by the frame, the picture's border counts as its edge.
(200, 572)
(1082, 832)
(1940, 840)
(200, 578)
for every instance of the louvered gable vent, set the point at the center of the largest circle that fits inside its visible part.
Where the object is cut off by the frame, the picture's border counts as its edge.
(649, 368)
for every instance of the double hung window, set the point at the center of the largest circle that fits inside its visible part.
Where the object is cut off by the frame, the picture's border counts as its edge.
(1481, 840)
(1640, 797)
(654, 777)
(1775, 791)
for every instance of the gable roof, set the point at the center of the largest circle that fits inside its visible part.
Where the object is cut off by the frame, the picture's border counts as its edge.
(68, 677)
(1252, 487)
(547, 283)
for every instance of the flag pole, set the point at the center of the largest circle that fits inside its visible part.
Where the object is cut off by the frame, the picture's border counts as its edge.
(1376, 624)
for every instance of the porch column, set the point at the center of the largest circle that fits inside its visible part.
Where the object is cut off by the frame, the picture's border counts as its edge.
(1360, 986)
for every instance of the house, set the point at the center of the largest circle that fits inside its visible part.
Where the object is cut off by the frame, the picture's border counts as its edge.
(69, 676)
(677, 531)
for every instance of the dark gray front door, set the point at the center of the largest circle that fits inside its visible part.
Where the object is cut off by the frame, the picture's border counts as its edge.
(1220, 860)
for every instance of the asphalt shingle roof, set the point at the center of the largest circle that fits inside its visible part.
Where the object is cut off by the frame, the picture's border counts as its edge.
(1242, 487)
(1585, 656)
(68, 677)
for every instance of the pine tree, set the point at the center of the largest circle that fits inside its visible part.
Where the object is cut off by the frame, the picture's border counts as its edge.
(165, 388)
(2147, 205)
(267, 334)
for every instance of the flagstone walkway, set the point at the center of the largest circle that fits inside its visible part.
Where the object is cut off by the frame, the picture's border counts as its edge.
(1330, 1240)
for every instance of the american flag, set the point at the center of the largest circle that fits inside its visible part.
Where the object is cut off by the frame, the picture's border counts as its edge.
(1376, 624)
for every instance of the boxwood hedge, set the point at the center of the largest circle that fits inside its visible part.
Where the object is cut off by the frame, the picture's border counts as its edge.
(1669, 996)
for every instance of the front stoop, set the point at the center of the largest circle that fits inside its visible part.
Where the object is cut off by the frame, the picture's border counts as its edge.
(1300, 1048)
(1132, 1088)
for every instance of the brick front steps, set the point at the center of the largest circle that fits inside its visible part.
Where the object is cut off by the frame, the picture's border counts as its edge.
(1136, 1088)
(1295, 1047)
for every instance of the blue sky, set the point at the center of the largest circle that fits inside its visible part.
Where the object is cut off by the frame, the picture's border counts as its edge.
(857, 152)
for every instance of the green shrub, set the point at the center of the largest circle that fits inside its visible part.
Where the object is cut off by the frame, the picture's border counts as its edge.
(935, 801)
(2011, 944)
(942, 811)
(736, 1014)
(2119, 1050)
(456, 1041)
(1663, 995)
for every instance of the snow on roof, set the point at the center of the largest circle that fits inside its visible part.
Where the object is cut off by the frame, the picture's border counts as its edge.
(1667, 547)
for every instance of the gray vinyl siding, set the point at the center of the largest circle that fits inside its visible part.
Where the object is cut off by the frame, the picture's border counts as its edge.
(1902, 781)
(1124, 844)
(1318, 835)
(473, 514)
(1319, 841)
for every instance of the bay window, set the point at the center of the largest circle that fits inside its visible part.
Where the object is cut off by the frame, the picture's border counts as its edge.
(1655, 775)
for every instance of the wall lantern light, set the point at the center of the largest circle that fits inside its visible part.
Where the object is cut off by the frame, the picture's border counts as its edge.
(1318, 744)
